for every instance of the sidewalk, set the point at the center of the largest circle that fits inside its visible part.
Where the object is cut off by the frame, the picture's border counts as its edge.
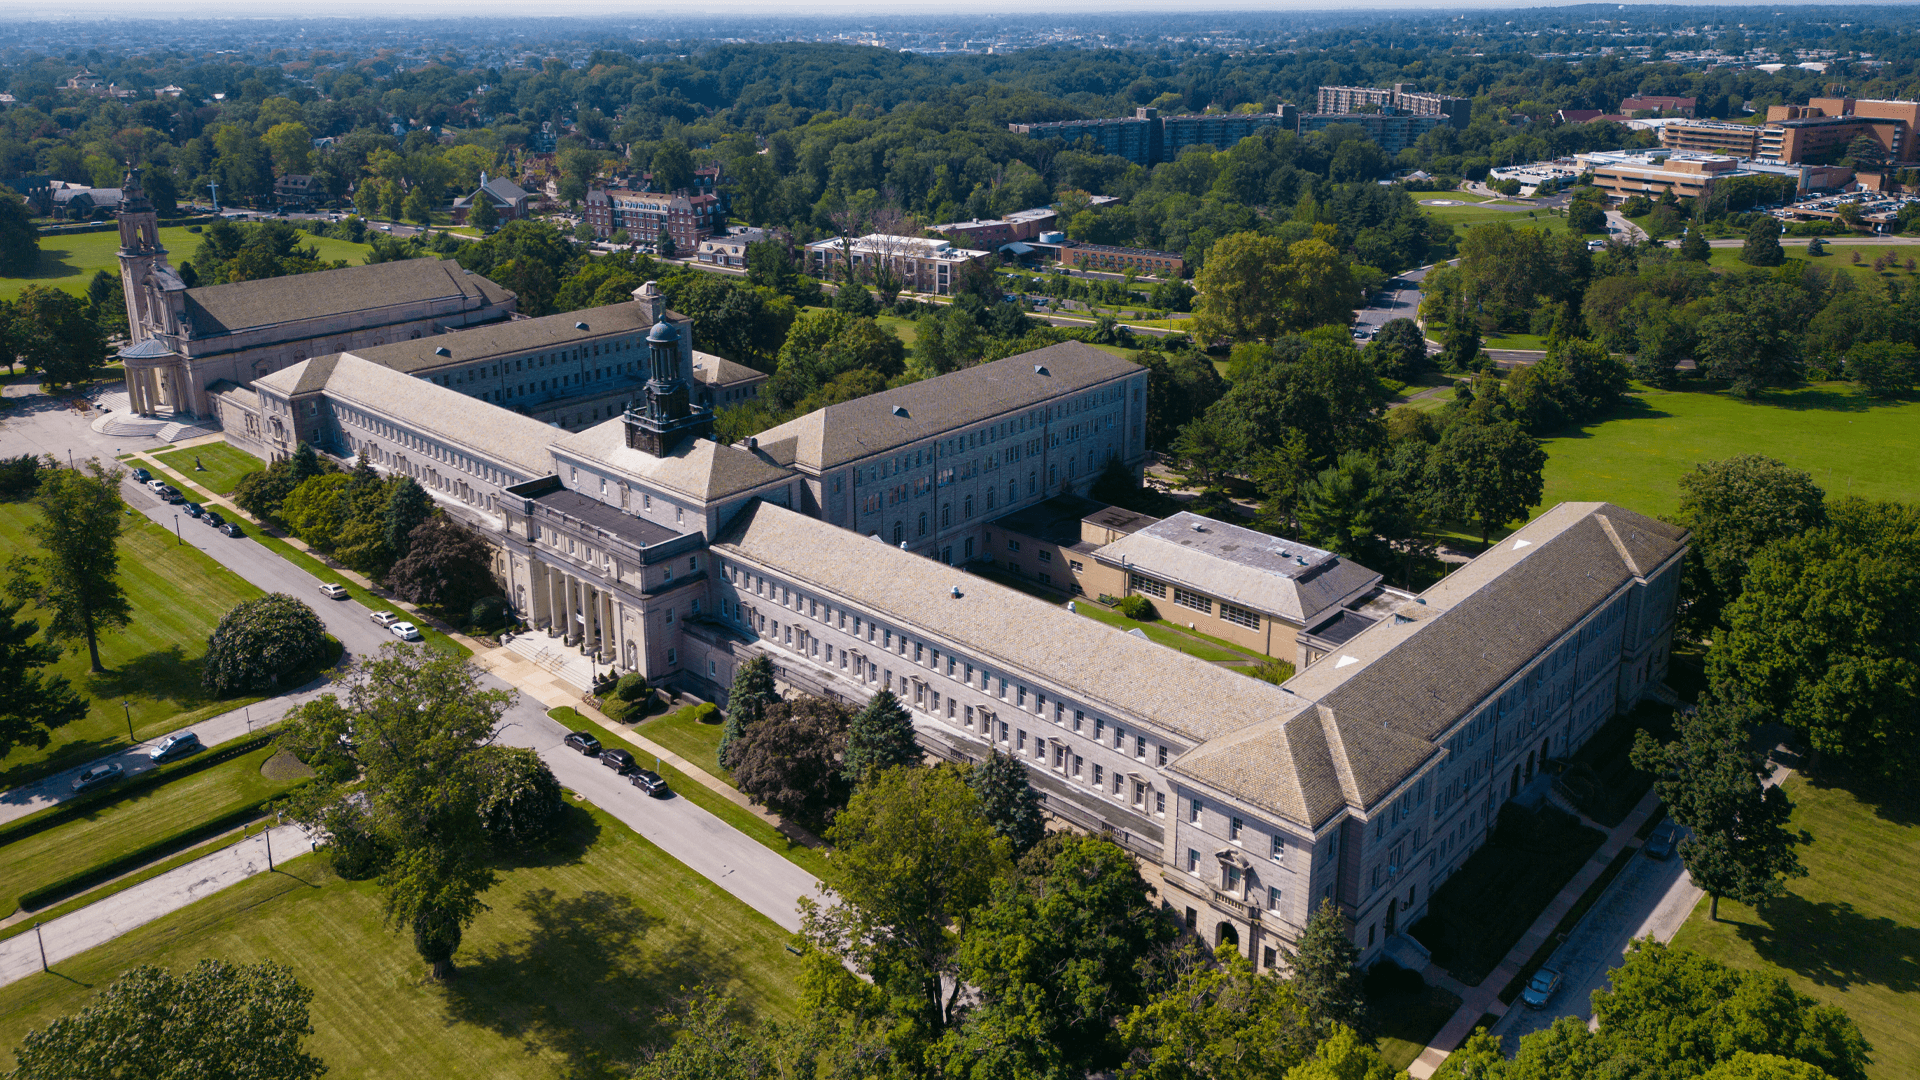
(77, 931)
(1480, 1000)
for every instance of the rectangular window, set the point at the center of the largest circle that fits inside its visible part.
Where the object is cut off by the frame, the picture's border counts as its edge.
(1239, 616)
(1148, 586)
(1078, 761)
(1140, 747)
(1273, 904)
(1099, 730)
(1193, 811)
(1160, 802)
(1233, 879)
(969, 718)
(1279, 849)
(1020, 741)
(1192, 600)
(1098, 775)
(1193, 867)
(1119, 737)
(1233, 828)
(1003, 731)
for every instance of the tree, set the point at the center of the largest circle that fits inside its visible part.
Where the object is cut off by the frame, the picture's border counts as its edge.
(76, 573)
(1715, 786)
(1747, 1065)
(1672, 1012)
(417, 724)
(1256, 287)
(1884, 369)
(32, 702)
(1490, 472)
(521, 801)
(1321, 970)
(19, 237)
(1219, 1020)
(447, 567)
(880, 737)
(1344, 1055)
(1180, 387)
(663, 245)
(1353, 510)
(57, 336)
(1693, 246)
(291, 147)
(215, 1021)
(672, 166)
(1734, 508)
(1057, 960)
(916, 861)
(258, 642)
(418, 208)
(1585, 218)
(747, 700)
(788, 760)
(1009, 802)
(1763, 244)
(1461, 352)
(482, 215)
(407, 509)
(1400, 349)
(1845, 600)
(1866, 153)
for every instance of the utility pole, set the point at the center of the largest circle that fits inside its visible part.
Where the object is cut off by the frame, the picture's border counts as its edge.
(43, 946)
(127, 707)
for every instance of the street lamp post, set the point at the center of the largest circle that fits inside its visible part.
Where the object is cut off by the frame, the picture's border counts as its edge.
(127, 707)
(43, 946)
(179, 541)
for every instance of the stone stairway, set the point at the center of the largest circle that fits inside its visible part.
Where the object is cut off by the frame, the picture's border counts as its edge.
(118, 420)
(568, 664)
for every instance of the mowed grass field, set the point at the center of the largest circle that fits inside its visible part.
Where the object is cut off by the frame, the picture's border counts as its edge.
(564, 976)
(224, 464)
(178, 594)
(120, 827)
(1839, 257)
(69, 262)
(1849, 932)
(1851, 444)
(1463, 218)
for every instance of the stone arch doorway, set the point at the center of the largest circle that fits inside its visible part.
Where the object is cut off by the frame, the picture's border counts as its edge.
(1225, 934)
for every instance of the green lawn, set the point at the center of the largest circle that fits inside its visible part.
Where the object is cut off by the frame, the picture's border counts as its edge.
(1849, 932)
(178, 594)
(69, 262)
(679, 732)
(564, 975)
(1209, 648)
(119, 828)
(812, 860)
(1463, 218)
(1851, 444)
(1839, 257)
(225, 465)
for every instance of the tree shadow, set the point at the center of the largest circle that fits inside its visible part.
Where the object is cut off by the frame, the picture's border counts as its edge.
(1834, 945)
(15, 779)
(576, 833)
(1889, 801)
(587, 982)
(1822, 400)
(1629, 407)
(162, 675)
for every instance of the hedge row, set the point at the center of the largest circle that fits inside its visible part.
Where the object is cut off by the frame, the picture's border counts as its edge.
(153, 851)
(133, 785)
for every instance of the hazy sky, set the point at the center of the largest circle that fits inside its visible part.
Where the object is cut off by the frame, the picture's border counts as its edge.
(626, 8)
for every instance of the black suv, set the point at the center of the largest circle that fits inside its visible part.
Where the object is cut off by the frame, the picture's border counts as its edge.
(583, 742)
(648, 781)
(617, 760)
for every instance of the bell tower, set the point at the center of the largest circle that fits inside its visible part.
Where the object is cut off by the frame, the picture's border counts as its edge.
(664, 419)
(140, 251)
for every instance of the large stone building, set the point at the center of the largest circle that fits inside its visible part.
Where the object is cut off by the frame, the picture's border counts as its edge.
(832, 545)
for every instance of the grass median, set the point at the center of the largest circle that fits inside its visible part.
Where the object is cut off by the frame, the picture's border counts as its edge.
(224, 466)
(562, 975)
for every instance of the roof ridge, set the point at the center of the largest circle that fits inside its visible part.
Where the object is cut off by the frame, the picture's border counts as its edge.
(1606, 525)
(1337, 751)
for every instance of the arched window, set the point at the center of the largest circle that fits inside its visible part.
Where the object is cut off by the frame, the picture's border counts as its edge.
(899, 532)
(923, 523)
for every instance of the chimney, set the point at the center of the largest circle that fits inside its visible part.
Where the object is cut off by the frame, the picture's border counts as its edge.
(651, 301)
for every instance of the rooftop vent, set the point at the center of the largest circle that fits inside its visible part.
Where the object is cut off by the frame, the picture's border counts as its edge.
(1298, 561)
(579, 326)
(955, 592)
(899, 410)
(1041, 369)
(1197, 527)
(753, 443)
(443, 351)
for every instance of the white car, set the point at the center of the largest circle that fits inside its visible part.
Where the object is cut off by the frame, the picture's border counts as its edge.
(405, 631)
(384, 618)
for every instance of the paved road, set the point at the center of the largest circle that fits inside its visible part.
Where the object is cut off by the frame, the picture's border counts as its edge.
(1399, 300)
(1650, 898)
(37, 424)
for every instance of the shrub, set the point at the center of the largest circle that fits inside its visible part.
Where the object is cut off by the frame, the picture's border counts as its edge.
(261, 641)
(19, 476)
(1137, 607)
(488, 613)
(522, 803)
(706, 713)
(1273, 671)
(631, 687)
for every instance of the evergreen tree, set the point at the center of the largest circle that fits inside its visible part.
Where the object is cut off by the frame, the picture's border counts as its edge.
(1009, 802)
(305, 463)
(1321, 970)
(482, 214)
(747, 702)
(1716, 786)
(31, 702)
(1763, 244)
(406, 510)
(881, 738)
(1693, 246)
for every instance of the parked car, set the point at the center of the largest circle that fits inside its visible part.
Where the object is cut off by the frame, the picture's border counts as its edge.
(98, 775)
(155, 486)
(405, 631)
(175, 746)
(383, 618)
(213, 518)
(171, 493)
(1540, 988)
(142, 475)
(231, 529)
(617, 760)
(583, 741)
(333, 592)
(1660, 844)
(648, 781)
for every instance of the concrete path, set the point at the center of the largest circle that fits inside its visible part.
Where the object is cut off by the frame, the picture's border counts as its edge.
(95, 924)
(1485, 998)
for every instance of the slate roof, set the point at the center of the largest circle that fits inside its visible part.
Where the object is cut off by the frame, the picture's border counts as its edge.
(830, 437)
(712, 370)
(516, 336)
(1090, 661)
(700, 469)
(245, 305)
(1251, 569)
(520, 442)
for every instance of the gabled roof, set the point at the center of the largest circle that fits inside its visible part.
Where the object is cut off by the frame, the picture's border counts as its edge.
(1268, 574)
(711, 370)
(833, 436)
(511, 337)
(699, 469)
(246, 305)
